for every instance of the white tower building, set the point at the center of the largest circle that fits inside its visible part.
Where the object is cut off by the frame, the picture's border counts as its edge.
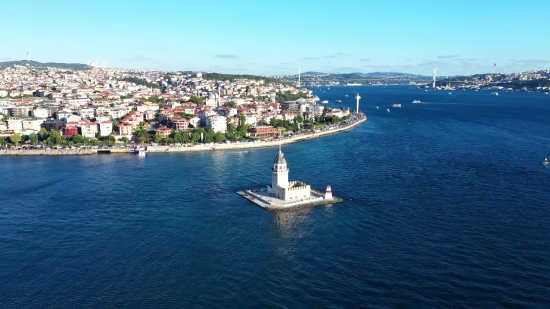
(328, 193)
(279, 171)
(433, 86)
(357, 97)
(298, 78)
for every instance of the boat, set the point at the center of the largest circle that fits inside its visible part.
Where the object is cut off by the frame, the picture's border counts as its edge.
(396, 105)
(376, 106)
(416, 102)
(544, 93)
(545, 162)
(494, 93)
(353, 84)
(338, 101)
(324, 101)
(450, 93)
(347, 95)
(388, 110)
(141, 153)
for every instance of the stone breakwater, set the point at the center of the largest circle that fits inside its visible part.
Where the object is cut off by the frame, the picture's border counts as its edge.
(47, 152)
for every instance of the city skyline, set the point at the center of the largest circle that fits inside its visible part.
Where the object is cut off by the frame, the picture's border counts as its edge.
(277, 38)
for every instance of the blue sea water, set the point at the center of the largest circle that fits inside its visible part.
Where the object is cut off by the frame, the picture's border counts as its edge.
(446, 205)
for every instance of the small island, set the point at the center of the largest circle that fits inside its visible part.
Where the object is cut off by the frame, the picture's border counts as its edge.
(282, 194)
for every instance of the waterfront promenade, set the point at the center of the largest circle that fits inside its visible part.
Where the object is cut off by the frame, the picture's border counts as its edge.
(200, 147)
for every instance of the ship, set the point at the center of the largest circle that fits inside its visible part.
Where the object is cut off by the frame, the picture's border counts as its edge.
(353, 84)
(396, 105)
(338, 101)
(324, 101)
(416, 102)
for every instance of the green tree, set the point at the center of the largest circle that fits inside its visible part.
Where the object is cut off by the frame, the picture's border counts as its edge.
(33, 139)
(299, 118)
(157, 138)
(231, 127)
(54, 137)
(219, 137)
(195, 137)
(197, 100)
(231, 104)
(2, 140)
(208, 137)
(15, 138)
(98, 135)
(42, 134)
(77, 139)
(124, 140)
(142, 139)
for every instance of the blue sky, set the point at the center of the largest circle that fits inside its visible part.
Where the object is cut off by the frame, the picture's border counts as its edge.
(277, 37)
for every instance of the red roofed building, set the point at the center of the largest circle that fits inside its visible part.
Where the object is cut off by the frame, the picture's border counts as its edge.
(70, 131)
(263, 131)
(163, 131)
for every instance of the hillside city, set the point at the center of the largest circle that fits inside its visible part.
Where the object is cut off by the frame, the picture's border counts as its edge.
(102, 106)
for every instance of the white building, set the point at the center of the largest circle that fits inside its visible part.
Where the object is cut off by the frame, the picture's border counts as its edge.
(251, 120)
(88, 129)
(32, 124)
(105, 128)
(283, 189)
(86, 112)
(15, 124)
(216, 123)
(195, 121)
(3, 93)
(76, 102)
(40, 113)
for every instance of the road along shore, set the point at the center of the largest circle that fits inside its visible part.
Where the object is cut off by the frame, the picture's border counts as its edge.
(213, 147)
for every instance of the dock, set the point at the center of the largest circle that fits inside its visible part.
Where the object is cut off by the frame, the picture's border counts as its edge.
(262, 201)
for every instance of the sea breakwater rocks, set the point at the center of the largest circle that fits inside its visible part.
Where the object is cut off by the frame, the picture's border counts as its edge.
(49, 152)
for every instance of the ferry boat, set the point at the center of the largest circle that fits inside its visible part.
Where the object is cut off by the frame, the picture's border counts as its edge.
(353, 84)
(396, 105)
(324, 101)
(338, 101)
(416, 101)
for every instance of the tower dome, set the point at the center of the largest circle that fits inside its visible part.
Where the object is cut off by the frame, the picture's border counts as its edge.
(280, 158)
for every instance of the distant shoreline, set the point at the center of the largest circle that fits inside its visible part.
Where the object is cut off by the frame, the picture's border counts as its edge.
(165, 149)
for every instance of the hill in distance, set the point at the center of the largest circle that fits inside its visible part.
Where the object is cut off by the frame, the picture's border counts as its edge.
(36, 64)
(360, 74)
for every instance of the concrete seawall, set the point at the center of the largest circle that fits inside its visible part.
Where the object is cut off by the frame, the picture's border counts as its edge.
(50, 152)
(62, 152)
(215, 147)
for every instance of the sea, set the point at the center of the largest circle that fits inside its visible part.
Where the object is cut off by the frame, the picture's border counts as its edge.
(446, 205)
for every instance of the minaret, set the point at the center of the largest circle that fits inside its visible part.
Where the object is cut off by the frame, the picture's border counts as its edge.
(434, 80)
(357, 97)
(279, 172)
(298, 78)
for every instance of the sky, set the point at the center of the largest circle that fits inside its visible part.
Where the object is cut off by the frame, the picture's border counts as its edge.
(278, 37)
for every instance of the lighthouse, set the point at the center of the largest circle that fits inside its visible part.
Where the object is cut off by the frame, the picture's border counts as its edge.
(328, 193)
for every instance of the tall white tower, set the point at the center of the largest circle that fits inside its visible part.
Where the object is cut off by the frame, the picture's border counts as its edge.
(279, 172)
(357, 97)
(433, 86)
(298, 77)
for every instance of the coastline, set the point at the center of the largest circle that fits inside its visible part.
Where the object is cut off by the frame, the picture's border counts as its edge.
(164, 149)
